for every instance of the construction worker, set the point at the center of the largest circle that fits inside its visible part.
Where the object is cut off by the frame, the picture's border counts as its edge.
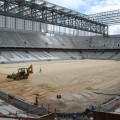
(93, 107)
(36, 99)
(75, 116)
(40, 69)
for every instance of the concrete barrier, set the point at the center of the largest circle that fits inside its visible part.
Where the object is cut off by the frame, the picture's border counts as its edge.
(25, 105)
(50, 116)
(38, 111)
(3, 95)
(29, 107)
(111, 104)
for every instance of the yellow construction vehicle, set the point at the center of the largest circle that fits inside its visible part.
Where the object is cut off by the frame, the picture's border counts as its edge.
(23, 73)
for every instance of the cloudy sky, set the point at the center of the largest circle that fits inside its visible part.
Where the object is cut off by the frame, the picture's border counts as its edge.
(90, 7)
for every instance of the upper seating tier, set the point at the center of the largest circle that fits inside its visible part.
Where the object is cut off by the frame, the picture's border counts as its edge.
(13, 38)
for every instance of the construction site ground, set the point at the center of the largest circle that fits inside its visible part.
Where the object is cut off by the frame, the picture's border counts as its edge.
(75, 80)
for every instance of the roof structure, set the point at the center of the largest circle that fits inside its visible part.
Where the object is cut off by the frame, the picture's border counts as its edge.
(108, 18)
(45, 12)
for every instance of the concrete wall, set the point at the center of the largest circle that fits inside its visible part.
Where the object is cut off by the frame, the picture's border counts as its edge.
(3, 95)
(29, 107)
(108, 106)
(44, 117)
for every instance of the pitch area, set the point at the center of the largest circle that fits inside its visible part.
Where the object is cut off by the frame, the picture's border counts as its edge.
(75, 80)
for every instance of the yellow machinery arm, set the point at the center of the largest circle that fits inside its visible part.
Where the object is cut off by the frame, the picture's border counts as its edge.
(30, 70)
(23, 73)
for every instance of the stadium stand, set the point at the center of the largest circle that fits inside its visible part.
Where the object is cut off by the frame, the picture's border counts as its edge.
(76, 46)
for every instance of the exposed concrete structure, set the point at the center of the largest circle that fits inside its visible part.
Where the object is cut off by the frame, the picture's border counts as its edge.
(24, 39)
(7, 109)
(55, 47)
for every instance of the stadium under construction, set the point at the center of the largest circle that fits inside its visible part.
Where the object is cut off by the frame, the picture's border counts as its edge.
(75, 62)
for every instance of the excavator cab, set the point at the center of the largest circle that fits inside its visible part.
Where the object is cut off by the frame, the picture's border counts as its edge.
(23, 73)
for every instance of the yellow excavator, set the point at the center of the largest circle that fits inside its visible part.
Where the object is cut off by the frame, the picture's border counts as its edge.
(23, 73)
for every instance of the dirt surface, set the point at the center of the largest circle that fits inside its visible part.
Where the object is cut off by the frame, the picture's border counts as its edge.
(76, 81)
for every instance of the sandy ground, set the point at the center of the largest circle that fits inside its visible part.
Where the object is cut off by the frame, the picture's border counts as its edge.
(76, 81)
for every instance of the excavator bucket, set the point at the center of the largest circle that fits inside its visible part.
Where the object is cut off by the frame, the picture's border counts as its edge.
(30, 69)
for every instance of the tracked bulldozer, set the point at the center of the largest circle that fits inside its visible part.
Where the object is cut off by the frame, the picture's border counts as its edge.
(23, 73)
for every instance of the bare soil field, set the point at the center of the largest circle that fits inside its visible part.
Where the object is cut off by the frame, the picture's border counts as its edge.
(75, 80)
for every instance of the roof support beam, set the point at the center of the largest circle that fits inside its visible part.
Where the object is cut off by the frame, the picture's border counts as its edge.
(108, 18)
(57, 16)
